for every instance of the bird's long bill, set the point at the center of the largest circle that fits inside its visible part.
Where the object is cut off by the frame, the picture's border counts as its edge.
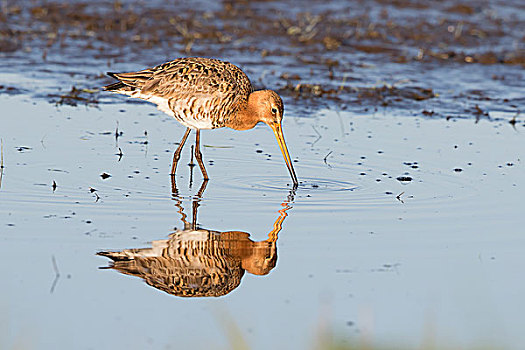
(278, 131)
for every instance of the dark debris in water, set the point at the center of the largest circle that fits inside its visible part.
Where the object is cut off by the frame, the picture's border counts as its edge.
(75, 96)
(338, 53)
(383, 95)
(23, 148)
(10, 90)
(351, 28)
(404, 178)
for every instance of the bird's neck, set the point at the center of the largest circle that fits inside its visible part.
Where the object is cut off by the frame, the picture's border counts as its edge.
(247, 116)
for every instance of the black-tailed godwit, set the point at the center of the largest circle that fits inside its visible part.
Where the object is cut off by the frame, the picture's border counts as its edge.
(203, 93)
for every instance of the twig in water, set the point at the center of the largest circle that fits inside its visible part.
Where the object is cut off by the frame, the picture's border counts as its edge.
(1, 161)
(146, 143)
(342, 86)
(341, 124)
(318, 134)
(326, 157)
(1, 153)
(398, 197)
(513, 120)
(94, 191)
(42, 141)
(191, 165)
(57, 274)
(119, 154)
(117, 134)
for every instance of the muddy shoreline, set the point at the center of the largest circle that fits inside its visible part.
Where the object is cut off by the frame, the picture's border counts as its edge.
(415, 58)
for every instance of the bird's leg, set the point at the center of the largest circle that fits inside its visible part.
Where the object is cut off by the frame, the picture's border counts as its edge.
(198, 155)
(176, 155)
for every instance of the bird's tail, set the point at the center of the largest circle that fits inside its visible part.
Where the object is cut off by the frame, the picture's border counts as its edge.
(115, 256)
(115, 86)
(118, 86)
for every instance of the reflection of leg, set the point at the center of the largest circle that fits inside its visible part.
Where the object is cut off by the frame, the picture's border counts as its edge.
(174, 189)
(176, 155)
(178, 200)
(202, 189)
(198, 155)
(196, 201)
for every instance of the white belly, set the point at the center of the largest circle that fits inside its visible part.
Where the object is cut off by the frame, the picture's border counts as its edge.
(195, 123)
(162, 104)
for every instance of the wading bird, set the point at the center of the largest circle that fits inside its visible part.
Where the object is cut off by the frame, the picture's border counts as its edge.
(203, 93)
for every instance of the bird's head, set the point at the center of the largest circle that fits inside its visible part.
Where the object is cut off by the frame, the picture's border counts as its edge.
(269, 106)
(262, 259)
(269, 110)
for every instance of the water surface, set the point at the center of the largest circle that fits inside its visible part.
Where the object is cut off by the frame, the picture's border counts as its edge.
(406, 226)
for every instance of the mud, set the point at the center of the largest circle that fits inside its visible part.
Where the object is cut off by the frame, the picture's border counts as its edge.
(388, 54)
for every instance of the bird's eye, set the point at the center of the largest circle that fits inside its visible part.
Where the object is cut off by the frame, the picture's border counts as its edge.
(274, 110)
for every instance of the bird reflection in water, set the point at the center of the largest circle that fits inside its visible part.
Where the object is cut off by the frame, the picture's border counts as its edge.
(196, 262)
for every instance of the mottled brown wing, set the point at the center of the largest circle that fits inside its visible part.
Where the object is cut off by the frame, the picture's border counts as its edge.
(189, 76)
(202, 93)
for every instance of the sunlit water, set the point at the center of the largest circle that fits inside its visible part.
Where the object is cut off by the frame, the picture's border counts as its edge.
(404, 230)
(361, 247)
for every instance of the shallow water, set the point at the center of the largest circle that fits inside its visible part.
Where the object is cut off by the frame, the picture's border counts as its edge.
(406, 227)
(444, 258)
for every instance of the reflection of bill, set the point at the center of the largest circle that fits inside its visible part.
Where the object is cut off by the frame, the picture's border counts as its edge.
(200, 263)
